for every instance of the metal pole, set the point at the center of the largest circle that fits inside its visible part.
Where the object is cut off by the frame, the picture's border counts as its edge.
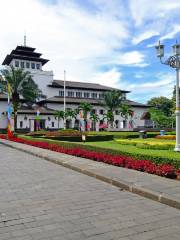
(64, 99)
(9, 111)
(177, 112)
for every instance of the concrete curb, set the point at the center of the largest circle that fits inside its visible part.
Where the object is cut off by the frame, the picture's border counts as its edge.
(144, 192)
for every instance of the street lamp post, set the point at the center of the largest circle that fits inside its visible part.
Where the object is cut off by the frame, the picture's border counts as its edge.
(64, 99)
(174, 62)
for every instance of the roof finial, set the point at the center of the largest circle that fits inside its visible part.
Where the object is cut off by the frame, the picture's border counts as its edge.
(25, 39)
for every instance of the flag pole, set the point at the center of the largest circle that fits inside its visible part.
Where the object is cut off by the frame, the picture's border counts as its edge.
(64, 99)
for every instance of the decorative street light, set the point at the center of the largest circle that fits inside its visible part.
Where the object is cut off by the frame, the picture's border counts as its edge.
(64, 99)
(174, 62)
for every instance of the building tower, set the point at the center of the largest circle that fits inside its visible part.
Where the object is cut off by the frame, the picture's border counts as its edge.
(28, 59)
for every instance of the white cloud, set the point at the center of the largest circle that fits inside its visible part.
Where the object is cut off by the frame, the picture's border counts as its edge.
(86, 42)
(172, 34)
(69, 36)
(144, 36)
(162, 86)
(109, 78)
(139, 75)
(144, 10)
(133, 58)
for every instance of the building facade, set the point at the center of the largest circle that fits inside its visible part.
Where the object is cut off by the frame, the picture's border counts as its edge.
(42, 114)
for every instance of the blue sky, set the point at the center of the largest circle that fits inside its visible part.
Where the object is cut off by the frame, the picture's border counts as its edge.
(110, 42)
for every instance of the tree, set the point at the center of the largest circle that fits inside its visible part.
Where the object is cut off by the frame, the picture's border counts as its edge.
(94, 117)
(59, 115)
(71, 114)
(163, 104)
(112, 100)
(160, 119)
(109, 116)
(86, 108)
(21, 84)
(125, 111)
(174, 99)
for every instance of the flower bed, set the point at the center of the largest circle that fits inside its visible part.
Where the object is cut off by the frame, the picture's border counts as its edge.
(166, 137)
(67, 132)
(164, 170)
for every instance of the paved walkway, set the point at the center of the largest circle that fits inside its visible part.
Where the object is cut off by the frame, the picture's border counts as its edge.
(161, 189)
(42, 200)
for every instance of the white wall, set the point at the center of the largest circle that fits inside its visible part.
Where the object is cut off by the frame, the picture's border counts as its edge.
(138, 112)
(26, 123)
(43, 78)
(3, 118)
(55, 92)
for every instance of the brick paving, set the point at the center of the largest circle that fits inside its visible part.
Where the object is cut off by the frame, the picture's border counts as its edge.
(42, 200)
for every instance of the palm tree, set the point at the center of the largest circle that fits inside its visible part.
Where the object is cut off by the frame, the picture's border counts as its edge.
(125, 111)
(94, 117)
(67, 114)
(86, 108)
(21, 84)
(71, 114)
(59, 115)
(109, 116)
(112, 100)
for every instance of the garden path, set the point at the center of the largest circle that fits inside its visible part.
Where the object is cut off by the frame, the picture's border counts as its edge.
(42, 200)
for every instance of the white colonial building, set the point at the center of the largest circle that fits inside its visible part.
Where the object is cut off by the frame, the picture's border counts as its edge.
(76, 93)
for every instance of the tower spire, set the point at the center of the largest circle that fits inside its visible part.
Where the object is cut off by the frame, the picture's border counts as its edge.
(25, 39)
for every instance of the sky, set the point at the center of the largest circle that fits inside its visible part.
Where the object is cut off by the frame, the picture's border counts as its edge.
(110, 42)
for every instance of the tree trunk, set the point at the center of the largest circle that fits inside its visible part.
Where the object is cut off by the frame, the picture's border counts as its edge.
(58, 122)
(85, 125)
(15, 116)
(15, 102)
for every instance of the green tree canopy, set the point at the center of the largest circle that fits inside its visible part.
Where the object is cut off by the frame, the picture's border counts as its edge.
(125, 111)
(86, 108)
(163, 104)
(160, 119)
(112, 99)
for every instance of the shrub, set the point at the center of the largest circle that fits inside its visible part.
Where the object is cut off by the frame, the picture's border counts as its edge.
(146, 144)
(89, 138)
(66, 132)
(37, 133)
(126, 135)
(166, 137)
(155, 147)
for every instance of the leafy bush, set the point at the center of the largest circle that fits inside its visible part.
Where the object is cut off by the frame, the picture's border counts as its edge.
(168, 137)
(89, 138)
(3, 131)
(154, 146)
(125, 135)
(66, 132)
(146, 144)
(172, 133)
(37, 133)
